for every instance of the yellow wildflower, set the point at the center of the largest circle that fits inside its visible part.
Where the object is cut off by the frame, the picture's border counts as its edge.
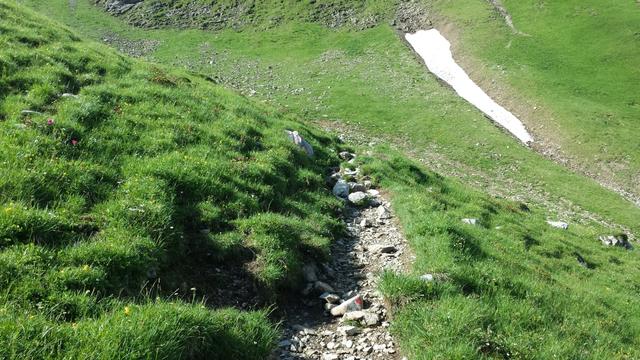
(127, 310)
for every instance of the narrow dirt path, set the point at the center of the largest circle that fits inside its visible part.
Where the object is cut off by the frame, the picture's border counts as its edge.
(374, 243)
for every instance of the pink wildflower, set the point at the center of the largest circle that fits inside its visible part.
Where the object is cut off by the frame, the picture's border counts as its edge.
(74, 142)
(50, 121)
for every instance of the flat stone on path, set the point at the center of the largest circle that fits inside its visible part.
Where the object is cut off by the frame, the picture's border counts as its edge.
(349, 330)
(382, 249)
(358, 198)
(353, 304)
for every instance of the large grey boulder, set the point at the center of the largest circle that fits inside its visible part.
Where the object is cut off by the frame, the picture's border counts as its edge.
(341, 189)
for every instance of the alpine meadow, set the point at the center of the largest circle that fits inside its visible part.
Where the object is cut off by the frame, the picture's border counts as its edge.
(262, 179)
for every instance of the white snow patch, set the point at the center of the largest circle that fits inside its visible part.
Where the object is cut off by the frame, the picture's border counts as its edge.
(435, 50)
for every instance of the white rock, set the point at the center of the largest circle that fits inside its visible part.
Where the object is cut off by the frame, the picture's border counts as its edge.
(383, 213)
(330, 298)
(371, 319)
(379, 347)
(558, 224)
(353, 316)
(350, 172)
(353, 304)
(345, 155)
(298, 140)
(365, 317)
(358, 198)
(470, 221)
(612, 240)
(426, 277)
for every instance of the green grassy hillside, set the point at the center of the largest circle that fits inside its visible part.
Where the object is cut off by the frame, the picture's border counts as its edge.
(138, 185)
(577, 65)
(570, 70)
(511, 286)
(371, 81)
(125, 211)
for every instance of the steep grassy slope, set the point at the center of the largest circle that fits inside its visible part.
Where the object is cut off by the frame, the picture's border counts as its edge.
(577, 91)
(578, 65)
(509, 287)
(123, 186)
(371, 80)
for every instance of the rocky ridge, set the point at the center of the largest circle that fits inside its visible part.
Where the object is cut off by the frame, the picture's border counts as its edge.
(410, 15)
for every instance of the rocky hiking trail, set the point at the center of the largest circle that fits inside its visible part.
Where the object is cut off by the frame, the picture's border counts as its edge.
(340, 314)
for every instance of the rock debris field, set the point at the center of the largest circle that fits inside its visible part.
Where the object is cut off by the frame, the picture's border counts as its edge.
(340, 314)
